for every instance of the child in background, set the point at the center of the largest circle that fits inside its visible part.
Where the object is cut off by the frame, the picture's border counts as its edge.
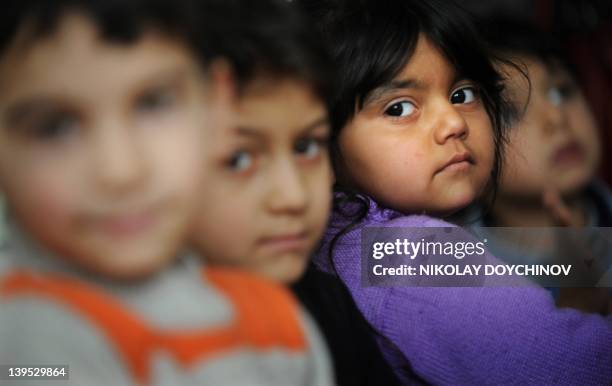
(104, 112)
(417, 126)
(552, 157)
(270, 201)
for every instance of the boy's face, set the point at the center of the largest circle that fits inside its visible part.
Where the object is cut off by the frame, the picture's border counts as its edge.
(555, 145)
(423, 142)
(101, 145)
(271, 195)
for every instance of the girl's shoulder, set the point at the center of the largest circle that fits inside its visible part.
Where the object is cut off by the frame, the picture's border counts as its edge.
(365, 212)
(416, 221)
(344, 231)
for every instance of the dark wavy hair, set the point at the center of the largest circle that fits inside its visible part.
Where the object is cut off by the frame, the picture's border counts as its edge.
(262, 37)
(118, 21)
(509, 36)
(267, 38)
(371, 41)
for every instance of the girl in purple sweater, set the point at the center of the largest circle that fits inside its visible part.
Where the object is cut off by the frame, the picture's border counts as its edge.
(418, 126)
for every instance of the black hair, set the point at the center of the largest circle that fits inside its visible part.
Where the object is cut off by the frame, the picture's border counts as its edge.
(118, 21)
(268, 38)
(511, 36)
(258, 37)
(372, 41)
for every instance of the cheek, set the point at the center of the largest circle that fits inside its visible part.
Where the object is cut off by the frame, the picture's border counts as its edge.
(179, 160)
(524, 166)
(514, 165)
(220, 234)
(320, 194)
(225, 217)
(47, 209)
(383, 160)
(583, 123)
(404, 161)
(43, 195)
(404, 176)
(359, 151)
(527, 153)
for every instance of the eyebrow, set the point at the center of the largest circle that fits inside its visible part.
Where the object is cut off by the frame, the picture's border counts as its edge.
(256, 134)
(394, 85)
(163, 78)
(20, 112)
(321, 121)
(402, 84)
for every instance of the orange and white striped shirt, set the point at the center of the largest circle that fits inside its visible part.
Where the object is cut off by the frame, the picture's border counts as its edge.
(188, 325)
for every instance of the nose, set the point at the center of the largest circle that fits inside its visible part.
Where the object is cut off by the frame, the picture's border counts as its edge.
(287, 193)
(448, 123)
(554, 118)
(119, 164)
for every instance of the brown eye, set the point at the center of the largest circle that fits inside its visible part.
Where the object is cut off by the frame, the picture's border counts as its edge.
(155, 100)
(55, 126)
(400, 109)
(310, 147)
(240, 161)
(557, 95)
(463, 95)
(554, 96)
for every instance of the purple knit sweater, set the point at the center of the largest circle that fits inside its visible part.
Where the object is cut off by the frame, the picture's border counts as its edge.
(471, 336)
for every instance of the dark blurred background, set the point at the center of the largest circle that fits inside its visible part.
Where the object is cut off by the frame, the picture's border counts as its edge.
(584, 29)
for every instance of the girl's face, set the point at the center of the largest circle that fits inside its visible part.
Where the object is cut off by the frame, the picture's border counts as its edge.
(270, 193)
(423, 142)
(556, 142)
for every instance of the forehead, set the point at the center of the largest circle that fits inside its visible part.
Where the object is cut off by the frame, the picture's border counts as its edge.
(279, 105)
(538, 70)
(74, 60)
(428, 65)
(425, 70)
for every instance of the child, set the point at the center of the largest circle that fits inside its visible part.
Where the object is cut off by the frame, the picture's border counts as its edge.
(104, 108)
(417, 124)
(552, 158)
(270, 201)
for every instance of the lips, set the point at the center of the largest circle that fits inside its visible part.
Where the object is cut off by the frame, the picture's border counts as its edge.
(127, 224)
(459, 162)
(286, 242)
(570, 152)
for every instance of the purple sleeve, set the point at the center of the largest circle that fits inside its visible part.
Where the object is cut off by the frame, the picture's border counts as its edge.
(510, 335)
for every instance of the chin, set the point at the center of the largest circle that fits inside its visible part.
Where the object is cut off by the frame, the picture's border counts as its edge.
(131, 273)
(129, 267)
(574, 183)
(458, 202)
(288, 272)
(117, 273)
(444, 212)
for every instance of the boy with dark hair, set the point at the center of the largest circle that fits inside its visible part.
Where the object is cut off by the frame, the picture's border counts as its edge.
(270, 201)
(104, 111)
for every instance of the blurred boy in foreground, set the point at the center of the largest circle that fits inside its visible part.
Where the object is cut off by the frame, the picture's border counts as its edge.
(105, 112)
